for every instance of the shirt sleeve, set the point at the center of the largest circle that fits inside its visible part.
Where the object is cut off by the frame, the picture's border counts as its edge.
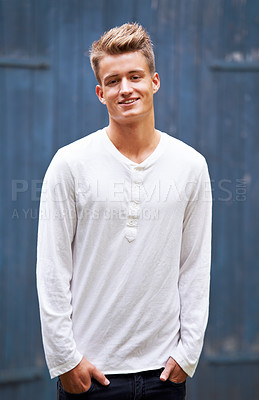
(57, 224)
(194, 276)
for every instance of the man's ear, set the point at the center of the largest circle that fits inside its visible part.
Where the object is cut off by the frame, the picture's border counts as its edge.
(99, 93)
(156, 82)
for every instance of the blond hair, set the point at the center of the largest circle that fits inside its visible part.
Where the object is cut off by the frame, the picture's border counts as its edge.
(122, 39)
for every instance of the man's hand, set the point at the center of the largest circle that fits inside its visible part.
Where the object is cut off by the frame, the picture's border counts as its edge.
(78, 380)
(173, 372)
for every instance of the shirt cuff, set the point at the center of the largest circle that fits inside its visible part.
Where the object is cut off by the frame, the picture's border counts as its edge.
(62, 369)
(179, 355)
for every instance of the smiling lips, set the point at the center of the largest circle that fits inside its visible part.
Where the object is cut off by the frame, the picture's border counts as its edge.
(129, 101)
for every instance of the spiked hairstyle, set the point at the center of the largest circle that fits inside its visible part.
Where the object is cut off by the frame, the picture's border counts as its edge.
(122, 39)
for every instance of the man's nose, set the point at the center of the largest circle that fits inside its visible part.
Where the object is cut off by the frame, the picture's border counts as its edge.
(125, 87)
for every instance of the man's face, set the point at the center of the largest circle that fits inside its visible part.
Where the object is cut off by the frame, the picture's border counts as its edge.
(127, 87)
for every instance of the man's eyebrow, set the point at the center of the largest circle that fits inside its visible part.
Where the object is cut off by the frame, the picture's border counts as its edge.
(130, 72)
(110, 76)
(137, 70)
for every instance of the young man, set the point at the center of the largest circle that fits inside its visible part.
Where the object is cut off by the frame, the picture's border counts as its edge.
(124, 243)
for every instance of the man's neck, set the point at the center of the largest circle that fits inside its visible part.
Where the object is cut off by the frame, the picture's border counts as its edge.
(135, 141)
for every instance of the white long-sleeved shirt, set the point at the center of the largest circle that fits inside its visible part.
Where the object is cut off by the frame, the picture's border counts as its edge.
(123, 260)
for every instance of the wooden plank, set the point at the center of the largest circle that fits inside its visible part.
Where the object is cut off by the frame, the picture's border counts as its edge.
(205, 383)
(20, 340)
(66, 72)
(144, 13)
(93, 114)
(18, 100)
(189, 72)
(3, 242)
(18, 27)
(42, 148)
(115, 14)
(230, 251)
(166, 33)
(251, 168)
(16, 168)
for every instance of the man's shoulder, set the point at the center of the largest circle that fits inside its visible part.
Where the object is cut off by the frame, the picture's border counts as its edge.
(73, 155)
(79, 147)
(183, 151)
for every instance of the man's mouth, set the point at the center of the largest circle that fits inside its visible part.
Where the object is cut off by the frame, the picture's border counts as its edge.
(129, 101)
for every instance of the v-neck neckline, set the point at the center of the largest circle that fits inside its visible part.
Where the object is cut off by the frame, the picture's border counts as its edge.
(148, 160)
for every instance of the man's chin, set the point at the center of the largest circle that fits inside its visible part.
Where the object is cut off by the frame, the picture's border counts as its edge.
(130, 116)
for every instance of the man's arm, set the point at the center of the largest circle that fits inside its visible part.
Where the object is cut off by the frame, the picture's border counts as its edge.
(194, 280)
(57, 224)
(57, 227)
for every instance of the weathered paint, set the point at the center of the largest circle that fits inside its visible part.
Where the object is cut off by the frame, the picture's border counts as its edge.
(207, 57)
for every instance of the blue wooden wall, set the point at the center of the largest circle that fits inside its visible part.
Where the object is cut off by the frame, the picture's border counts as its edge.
(208, 60)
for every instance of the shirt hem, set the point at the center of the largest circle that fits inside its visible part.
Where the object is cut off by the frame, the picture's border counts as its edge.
(131, 371)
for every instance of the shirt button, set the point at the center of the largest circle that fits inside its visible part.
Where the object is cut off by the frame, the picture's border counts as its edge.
(132, 222)
(133, 210)
(136, 187)
(138, 179)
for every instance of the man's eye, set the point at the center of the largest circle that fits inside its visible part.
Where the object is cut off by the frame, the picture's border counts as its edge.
(113, 82)
(135, 77)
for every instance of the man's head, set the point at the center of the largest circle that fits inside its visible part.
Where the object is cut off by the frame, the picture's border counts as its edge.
(124, 39)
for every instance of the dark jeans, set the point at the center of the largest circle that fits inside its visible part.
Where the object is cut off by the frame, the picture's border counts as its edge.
(140, 386)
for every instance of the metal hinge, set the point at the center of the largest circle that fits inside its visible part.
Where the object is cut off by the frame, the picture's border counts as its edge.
(20, 375)
(233, 66)
(26, 63)
(232, 359)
